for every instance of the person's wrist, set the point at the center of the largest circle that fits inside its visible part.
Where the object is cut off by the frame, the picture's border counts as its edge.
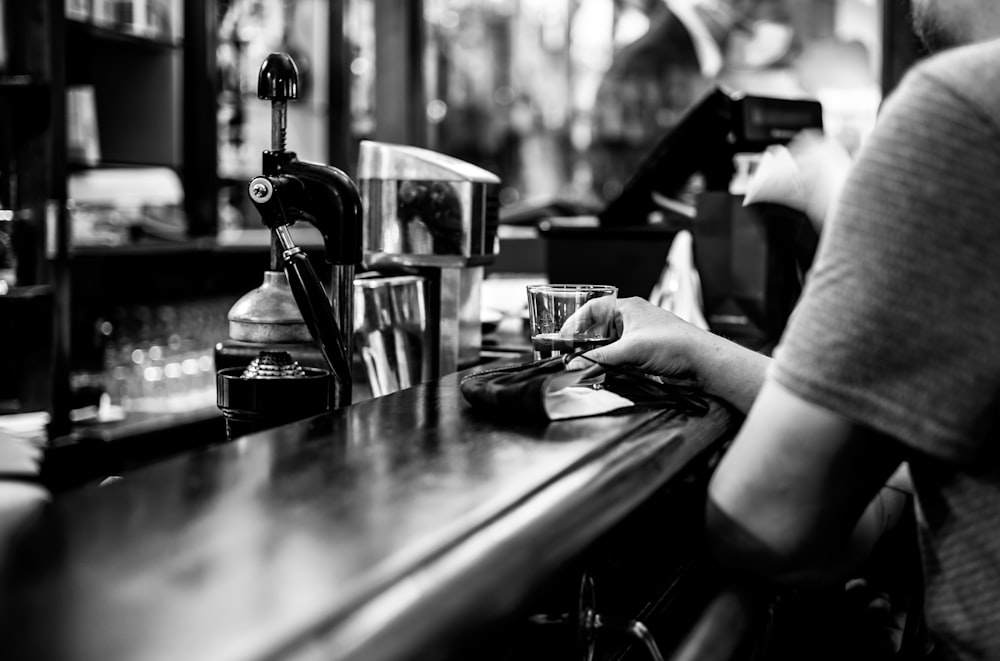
(702, 351)
(716, 363)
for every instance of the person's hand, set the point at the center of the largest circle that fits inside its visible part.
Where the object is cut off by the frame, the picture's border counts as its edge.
(649, 339)
(877, 621)
(595, 318)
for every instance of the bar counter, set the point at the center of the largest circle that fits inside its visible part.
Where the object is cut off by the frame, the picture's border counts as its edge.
(381, 531)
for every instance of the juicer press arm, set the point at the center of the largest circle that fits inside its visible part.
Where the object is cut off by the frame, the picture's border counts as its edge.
(321, 195)
(306, 287)
(290, 190)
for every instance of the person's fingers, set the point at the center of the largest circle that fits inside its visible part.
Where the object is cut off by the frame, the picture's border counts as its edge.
(855, 584)
(609, 354)
(581, 318)
(596, 315)
(879, 607)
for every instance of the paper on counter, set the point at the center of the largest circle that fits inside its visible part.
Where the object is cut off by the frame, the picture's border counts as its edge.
(575, 395)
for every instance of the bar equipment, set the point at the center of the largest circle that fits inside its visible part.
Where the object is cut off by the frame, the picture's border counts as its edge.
(273, 389)
(435, 216)
(291, 312)
(391, 331)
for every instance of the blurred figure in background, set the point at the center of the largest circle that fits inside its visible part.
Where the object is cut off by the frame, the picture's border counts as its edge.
(766, 47)
(655, 79)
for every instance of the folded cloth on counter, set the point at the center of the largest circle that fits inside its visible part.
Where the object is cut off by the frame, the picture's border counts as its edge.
(544, 390)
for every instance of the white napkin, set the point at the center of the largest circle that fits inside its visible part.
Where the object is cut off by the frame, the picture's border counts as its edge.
(576, 394)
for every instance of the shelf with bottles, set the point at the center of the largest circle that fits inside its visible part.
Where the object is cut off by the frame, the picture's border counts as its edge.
(145, 321)
(124, 85)
(124, 124)
(133, 23)
(78, 30)
(153, 359)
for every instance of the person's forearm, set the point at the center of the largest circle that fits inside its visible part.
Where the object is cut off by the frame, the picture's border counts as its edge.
(825, 562)
(729, 371)
(881, 516)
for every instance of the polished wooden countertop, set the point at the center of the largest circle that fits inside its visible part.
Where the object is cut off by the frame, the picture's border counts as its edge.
(370, 533)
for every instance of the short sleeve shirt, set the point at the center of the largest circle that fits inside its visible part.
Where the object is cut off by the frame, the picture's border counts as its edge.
(898, 328)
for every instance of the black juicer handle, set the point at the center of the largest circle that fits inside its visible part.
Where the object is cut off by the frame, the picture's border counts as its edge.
(315, 308)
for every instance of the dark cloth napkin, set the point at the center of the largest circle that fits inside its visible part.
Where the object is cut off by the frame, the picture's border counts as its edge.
(522, 390)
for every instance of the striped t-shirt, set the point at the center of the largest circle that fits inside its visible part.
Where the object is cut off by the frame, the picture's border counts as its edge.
(899, 325)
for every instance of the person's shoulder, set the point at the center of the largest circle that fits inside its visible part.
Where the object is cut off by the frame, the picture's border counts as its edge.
(964, 68)
(963, 58)
(965, 75)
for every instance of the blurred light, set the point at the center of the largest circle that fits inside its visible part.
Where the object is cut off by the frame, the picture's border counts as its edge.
(155, 352)
(509, 195)
(631, 25)
(153, 373)
(205, 363)
(190, 366)
(438, 13)
(172, 370)
(360, 66)
(449, 20)
(138, 356)
(504, 95)
(580, 136)
(106, 328)
(436, 111)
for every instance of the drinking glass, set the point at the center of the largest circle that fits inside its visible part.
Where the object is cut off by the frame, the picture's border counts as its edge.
(566, 319)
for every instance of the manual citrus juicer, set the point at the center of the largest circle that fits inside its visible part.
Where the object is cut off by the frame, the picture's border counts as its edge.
(288, 329)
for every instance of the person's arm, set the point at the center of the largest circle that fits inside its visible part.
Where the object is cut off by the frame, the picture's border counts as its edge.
(658, 342)
(798, 497)
(728, 370)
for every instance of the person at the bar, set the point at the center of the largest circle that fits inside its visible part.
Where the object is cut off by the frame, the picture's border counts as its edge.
(655, 79)
(891, 357)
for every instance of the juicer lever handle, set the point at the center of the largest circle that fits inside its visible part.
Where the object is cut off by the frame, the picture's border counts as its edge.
(278, 78)
(315, 308)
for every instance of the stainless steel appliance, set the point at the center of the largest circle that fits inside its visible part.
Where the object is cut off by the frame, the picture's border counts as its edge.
(436, 216)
